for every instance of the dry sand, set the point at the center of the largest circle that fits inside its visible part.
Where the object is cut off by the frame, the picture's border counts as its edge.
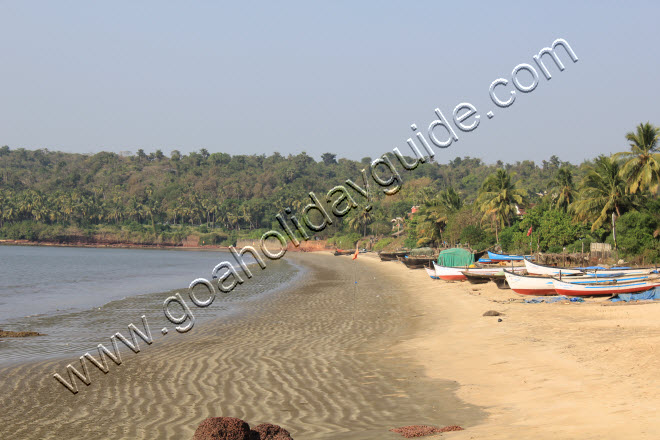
(547, 371)
(328, 361)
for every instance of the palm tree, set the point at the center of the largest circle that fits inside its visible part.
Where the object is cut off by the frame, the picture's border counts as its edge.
(450, 200)
(602, 192)
(642, 163)
(498, 198)
(563, 185)
(363, 218)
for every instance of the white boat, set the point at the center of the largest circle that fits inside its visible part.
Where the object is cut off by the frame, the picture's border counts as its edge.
(573, 289)
(449, 273)
(492, 270)
(530, 285)
(624, 271)
(538, 285)
(431, 273)
(539, 269)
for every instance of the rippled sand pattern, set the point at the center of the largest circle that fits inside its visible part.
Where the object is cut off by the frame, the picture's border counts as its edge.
(314, 358)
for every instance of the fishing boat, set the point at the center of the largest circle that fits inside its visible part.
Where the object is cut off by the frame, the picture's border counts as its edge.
(417, 262)
(387, 256)
(529, 284)
(493, 257)
(449, 273)
(619, 271)
(343, 252)
(612, 288)
(540, 269)
(431, 273)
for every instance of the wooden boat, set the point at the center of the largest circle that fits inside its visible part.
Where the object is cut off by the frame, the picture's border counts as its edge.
(573, 289)
(387, 256)
(477, 278)
(620, 271)
(530, 285)
(492, 256)
(490, 271)
(343, 252)
(449, 273)
(501, 282)
(540, 269)
(417, 262)
(431, 273)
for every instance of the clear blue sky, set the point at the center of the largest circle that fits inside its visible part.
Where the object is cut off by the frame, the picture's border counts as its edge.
(345, 77)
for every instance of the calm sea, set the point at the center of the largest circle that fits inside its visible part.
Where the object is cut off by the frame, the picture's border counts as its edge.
(81, 296)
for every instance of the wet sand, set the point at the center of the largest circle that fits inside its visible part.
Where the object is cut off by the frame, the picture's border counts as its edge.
(326, 359)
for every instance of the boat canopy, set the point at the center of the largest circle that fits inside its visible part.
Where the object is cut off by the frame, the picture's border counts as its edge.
(455, 257)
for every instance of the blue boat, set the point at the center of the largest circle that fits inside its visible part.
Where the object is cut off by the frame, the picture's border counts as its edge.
(503, 257)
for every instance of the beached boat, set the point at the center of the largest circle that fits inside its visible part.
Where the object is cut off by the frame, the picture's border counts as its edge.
(431, 273)
(530, 285)
(619, 271)
(343, 252)
(492, 256)
(613, 288)
(477, 278)
(387, 256)
(417, 262)
(449, 273)
(540, 269)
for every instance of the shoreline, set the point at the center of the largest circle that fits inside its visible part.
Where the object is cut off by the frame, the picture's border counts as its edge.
(314, 358)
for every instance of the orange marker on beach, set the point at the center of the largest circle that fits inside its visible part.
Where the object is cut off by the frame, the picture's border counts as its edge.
(356, 253)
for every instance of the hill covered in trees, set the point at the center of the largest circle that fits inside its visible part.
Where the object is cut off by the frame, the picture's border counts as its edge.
(158, 199)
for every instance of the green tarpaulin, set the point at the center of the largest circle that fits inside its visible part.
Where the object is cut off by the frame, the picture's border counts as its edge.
(455, 257)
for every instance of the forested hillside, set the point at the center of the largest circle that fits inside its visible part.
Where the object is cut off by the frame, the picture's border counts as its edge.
(158, 199)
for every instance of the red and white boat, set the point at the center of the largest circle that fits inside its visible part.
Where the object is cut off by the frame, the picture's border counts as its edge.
(431, 273)
(540, 269)
(580, 289)
(530, 285)
(449, 273)
(492, 270)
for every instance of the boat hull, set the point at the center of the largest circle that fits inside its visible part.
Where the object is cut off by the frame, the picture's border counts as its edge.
(449, 273)
(570, 289)
(431, 273)
(530, 285)
(539, 269)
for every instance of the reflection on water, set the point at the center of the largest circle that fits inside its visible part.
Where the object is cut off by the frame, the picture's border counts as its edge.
(81, 296)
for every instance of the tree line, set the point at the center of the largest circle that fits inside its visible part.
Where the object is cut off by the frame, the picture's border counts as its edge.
(155, 198)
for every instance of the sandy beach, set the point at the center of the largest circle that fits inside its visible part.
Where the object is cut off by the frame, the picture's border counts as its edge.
(332, 359)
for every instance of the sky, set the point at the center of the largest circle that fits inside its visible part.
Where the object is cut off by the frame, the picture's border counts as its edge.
(343, 77)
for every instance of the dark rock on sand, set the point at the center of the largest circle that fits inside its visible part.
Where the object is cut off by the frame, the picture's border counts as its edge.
(491, 313)
(223, 428)
(10, 334)
(266, 431)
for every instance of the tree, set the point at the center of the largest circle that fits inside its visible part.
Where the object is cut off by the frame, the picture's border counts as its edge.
(642, 163)
(602, 192)
(498, 198)
(563, 189)
(450, 200)
(329, 158)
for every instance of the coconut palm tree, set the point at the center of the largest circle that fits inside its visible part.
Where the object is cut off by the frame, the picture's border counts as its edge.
(642, 163)
(563, 189)
(450, 200)
(602, 192)
(498, 198)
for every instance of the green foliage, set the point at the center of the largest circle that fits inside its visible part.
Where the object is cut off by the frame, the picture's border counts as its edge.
(382, 244)
(635, 235)
(346, 241)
